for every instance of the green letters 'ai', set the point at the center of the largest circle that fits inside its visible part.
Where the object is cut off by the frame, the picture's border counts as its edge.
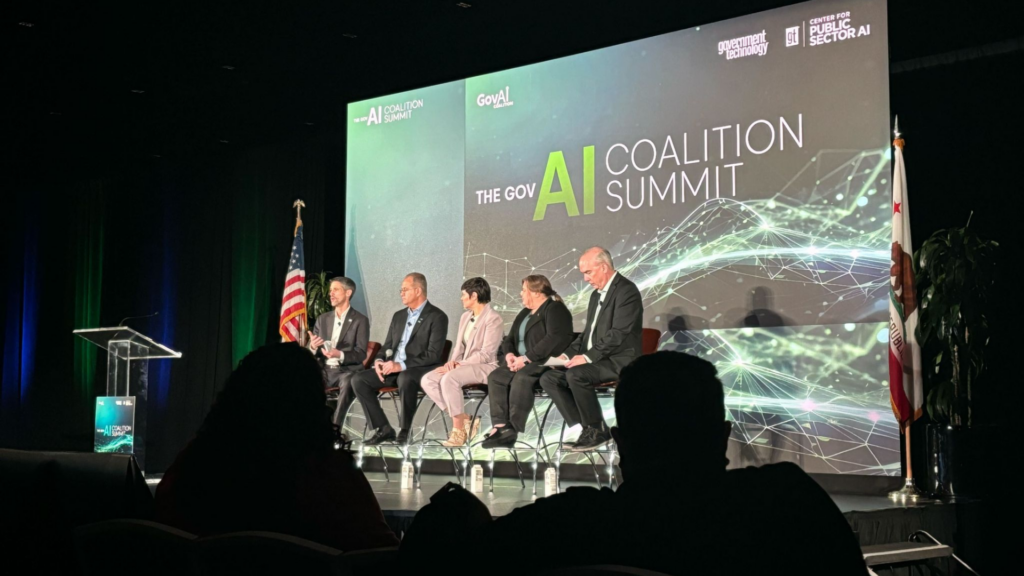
(556, 167)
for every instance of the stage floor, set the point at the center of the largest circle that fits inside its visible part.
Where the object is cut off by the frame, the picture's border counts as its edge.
(874, 519)
(509, 494)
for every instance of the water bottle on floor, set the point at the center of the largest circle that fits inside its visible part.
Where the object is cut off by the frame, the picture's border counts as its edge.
(476, 483)
(550, 481)
(408, 475)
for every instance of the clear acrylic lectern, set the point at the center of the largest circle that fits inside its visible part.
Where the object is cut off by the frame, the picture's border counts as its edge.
(128, 356)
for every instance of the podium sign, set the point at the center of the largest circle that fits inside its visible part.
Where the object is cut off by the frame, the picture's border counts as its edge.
(128, 356)
(115, 425)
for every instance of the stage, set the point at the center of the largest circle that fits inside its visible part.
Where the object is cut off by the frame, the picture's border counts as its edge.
(874, 518)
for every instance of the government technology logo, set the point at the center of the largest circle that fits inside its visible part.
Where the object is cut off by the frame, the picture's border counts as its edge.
(390, 113)
(749, 45)
(792, 36)
(497, 100)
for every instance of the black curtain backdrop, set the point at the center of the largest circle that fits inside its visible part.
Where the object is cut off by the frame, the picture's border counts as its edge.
(196, 236)
(185, 238)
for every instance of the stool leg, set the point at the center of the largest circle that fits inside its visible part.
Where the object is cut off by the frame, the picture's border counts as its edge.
(380, 452)
(540, 435)
(558, 469)
(519, 468)
(419, 467)
(593, 465)
(476, 413)
(394, 400)
(426, 423)
(492, 471)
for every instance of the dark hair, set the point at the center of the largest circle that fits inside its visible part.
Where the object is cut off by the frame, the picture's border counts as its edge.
(671, 395)
(419, 280)
(268, 426)
(273, 405)
(480, 287)
(540, 284)
(346, 283)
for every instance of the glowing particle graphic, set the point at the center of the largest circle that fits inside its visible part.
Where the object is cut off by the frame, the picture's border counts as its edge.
(849, 327)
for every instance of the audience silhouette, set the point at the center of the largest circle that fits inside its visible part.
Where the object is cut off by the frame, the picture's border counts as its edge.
(677, 511)
(265, 459)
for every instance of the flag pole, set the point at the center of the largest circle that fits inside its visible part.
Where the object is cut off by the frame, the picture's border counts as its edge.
(909, 491)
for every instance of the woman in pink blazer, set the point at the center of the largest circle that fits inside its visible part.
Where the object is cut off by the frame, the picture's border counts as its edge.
(475, 356)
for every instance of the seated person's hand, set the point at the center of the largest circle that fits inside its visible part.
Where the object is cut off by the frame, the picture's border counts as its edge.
(577, 360)
(333, 353)
(378, 367)
(315, 341)
(510, 359)
(519, 363)
(391, 367)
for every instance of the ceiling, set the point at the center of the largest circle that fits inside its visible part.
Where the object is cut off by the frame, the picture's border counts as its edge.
(118, 81)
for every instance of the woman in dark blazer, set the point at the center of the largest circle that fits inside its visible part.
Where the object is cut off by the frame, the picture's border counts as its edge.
(541, 330)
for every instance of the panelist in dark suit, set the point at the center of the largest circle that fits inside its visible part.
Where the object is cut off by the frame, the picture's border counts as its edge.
(347, 331)
(413, 347)
(610, 340)
(541, 330)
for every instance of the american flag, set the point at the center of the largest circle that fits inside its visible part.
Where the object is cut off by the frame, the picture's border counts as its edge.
(293, 305)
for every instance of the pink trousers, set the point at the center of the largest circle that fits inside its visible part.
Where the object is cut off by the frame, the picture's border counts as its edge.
(446, 389)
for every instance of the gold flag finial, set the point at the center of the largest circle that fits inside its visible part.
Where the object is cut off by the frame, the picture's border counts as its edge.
(298, 205)
(897, 141)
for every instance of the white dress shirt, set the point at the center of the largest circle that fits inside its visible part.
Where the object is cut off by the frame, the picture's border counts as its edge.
(339, 327)
(593, 325)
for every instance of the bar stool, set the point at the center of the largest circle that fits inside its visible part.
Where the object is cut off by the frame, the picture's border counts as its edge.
(470, 393)
(650, 339)
(392, 393)
(332, 393)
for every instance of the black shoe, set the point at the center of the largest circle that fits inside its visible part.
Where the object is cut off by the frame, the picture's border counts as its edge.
(593, 437)
(382, 435)
(403, 437)
(584, 438)
(505, 437)
(342, 441)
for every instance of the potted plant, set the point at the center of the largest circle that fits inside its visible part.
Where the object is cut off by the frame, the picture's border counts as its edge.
(955, 271)
(318, 295)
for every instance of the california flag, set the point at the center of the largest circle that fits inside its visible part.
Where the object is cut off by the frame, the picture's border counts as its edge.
(904, 352)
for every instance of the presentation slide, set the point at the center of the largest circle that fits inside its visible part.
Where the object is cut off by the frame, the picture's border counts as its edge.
(738, 172)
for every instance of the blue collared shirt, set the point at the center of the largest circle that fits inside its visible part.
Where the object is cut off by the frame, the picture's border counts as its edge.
(410, 323)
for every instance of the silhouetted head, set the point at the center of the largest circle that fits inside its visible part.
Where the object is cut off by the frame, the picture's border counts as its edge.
(761, 298)
(273, 404)
(670, 412)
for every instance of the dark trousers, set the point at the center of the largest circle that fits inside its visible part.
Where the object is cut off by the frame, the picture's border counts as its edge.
(573, 393)
(511, 394)
(366, 386)
(341, 378)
